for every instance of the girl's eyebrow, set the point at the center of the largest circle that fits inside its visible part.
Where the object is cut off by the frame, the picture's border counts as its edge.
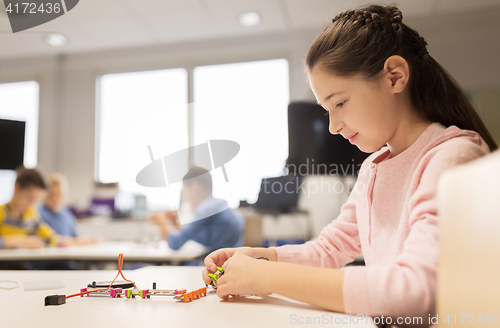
(332, 95)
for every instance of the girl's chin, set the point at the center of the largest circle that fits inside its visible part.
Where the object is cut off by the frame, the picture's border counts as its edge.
(364, 150)
(367, 148)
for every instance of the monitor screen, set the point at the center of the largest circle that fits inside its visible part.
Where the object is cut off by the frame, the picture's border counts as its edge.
(11, 144)
(313, 149)
(278, 195)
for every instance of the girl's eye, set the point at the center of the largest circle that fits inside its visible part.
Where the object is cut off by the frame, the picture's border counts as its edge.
(340, 105)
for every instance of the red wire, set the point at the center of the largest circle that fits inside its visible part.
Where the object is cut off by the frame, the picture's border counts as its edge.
(120, 265)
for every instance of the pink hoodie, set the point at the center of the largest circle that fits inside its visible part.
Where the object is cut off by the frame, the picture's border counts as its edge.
(390, 218)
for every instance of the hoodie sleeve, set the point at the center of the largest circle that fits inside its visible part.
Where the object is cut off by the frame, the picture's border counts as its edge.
(407, 286)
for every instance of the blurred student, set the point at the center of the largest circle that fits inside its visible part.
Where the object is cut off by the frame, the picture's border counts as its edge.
(58, 216)
(20, 224)
(214, 224)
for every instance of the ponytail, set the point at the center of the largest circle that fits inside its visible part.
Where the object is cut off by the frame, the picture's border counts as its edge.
(359, 41)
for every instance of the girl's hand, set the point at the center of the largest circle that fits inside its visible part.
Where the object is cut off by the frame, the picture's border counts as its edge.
(219, 257)
(243, 275)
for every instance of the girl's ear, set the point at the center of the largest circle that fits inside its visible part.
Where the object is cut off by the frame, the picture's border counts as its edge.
(397, 72)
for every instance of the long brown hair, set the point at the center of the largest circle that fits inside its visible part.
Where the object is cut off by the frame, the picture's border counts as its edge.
(359, 41)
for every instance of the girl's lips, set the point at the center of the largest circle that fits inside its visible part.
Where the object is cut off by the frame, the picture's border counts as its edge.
(352, 138)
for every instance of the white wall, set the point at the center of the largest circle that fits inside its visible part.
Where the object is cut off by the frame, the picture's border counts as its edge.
(467, 45)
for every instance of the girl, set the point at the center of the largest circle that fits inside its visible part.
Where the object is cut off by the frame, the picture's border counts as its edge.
(385, 93)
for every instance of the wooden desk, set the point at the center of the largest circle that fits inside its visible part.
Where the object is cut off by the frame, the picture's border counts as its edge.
(26, 309)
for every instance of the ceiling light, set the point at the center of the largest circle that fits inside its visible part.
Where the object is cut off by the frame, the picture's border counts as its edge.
(248, 19)
(56, 40)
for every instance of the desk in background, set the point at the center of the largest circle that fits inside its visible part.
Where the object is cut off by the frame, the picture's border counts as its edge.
(152, 252)
(130, 229)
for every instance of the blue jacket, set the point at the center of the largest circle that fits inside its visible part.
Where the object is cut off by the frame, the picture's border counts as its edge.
(214, 225)
(63, 222)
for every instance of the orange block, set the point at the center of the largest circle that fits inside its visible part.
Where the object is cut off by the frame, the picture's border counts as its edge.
(188, 297)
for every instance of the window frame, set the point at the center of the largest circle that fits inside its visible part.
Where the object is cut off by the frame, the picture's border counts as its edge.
(22, 79)
(189, 67)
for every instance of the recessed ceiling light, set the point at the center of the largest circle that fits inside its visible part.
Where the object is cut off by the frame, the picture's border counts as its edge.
(248, 19)
(56, 40)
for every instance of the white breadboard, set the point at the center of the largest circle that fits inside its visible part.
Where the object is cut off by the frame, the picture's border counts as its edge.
(42, 285)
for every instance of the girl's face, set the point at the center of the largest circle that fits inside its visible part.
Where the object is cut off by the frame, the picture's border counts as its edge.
(365, 112)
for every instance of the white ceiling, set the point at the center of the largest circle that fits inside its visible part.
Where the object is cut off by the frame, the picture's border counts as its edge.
(103, 24)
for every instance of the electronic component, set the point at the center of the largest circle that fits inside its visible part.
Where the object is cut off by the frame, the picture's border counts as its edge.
(178, 294)
(215, 276)
(55, 299)
(116, 284)
(125, 289)
(191, 296)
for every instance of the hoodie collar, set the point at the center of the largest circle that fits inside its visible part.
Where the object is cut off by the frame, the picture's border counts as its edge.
(434, 135)
(424, 139)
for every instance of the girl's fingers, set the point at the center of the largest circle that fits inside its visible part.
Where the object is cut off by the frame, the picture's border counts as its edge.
(211, 261)
(205, 277)
(217, 258)
(221, 281)
(223, 291)
(224, 266)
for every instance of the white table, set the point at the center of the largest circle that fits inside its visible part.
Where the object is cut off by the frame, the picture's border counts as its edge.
(152, 252)
(20, 308)
(118, 229)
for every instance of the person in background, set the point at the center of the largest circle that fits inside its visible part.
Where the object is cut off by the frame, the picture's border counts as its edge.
(58, 216)
(214, 224)
(20, 224)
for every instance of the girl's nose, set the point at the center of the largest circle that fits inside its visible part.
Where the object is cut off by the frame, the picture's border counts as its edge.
(336, 128)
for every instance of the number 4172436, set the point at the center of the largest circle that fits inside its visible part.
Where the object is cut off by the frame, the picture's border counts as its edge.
(470, 319)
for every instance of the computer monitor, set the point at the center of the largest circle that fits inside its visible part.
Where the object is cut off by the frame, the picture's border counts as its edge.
(313, 149)
(12, 134)
(278, 195)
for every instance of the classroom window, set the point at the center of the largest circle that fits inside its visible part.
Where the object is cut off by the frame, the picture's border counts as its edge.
(136, 110)
(247, 103)
(19, 101)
